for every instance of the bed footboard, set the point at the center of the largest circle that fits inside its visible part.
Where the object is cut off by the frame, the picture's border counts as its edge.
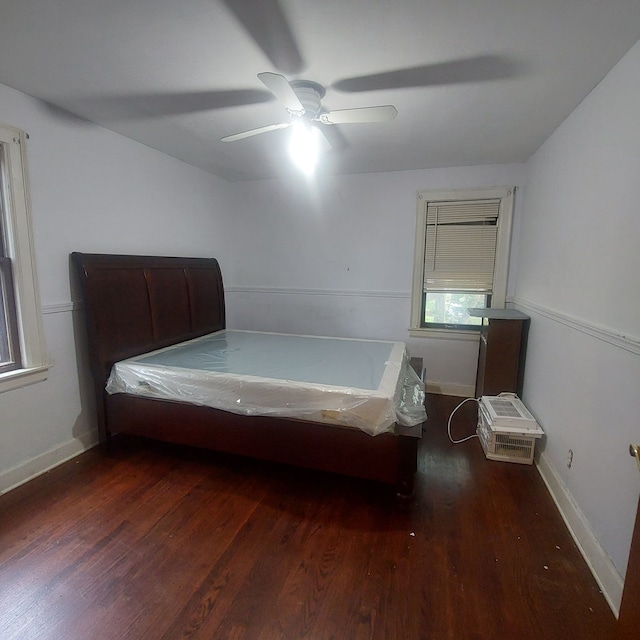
(388, 458)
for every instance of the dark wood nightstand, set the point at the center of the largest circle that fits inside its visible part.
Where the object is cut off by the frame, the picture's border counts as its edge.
(501, 357)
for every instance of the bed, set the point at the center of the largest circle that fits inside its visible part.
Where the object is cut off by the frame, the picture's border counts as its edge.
(146, 314)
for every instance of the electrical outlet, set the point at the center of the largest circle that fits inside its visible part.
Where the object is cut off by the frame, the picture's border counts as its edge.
(569, 458)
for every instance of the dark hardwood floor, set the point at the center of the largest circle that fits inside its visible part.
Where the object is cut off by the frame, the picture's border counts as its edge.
(144, 540)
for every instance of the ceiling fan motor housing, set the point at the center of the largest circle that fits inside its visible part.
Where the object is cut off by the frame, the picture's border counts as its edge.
(310, 95)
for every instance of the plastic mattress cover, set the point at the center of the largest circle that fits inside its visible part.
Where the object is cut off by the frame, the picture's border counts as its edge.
(366, 384)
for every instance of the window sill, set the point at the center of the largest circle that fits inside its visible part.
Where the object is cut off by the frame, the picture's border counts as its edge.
(22, 377)
(444, 334)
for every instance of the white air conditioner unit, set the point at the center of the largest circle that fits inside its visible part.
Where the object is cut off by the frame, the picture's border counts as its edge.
(506, 429)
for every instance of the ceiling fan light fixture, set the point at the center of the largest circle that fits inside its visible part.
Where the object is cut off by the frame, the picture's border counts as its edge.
(304, 145)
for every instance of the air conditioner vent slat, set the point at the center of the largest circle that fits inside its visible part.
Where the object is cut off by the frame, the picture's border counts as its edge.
(508, 413)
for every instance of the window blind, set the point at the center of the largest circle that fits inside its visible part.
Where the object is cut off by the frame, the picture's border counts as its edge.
(460, 245)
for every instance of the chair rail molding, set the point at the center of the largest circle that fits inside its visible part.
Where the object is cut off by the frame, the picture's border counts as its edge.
(622, 341)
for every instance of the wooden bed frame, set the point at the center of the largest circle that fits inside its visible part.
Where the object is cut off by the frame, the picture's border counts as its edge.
(135, 304)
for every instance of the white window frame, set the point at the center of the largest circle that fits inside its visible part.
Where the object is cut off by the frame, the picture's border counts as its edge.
(16, 210)
(499, 294)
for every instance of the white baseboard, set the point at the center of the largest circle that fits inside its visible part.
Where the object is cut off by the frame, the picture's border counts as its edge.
(451, 389)
(30, 469)
(602, 568)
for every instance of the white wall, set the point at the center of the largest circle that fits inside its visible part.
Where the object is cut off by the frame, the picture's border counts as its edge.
(335, 257)
(91, 190)
(577, 276)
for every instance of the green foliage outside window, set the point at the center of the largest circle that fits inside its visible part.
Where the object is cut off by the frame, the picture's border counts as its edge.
(450, 308)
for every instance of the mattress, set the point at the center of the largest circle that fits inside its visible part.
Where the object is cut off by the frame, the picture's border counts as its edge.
(365, 384)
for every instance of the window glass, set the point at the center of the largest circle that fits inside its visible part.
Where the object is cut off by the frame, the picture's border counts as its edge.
(450, 308)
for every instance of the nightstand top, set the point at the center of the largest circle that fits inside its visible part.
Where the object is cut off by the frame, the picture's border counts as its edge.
(501, 314)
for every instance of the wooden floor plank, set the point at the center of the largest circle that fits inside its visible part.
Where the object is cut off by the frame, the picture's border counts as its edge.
(145, 540)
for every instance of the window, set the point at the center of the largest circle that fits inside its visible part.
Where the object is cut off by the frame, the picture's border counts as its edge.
(22, 353)
(9, 348)
(461, 258)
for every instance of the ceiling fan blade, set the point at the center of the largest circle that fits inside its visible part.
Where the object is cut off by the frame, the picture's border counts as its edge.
(282, 90)
(324, 144)
(267, 24)
(254, 132)
(334, 138)
(364, 114)
(476, 69)
(139, 106)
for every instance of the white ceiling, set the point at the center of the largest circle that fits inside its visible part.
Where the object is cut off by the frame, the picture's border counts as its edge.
(484, 81)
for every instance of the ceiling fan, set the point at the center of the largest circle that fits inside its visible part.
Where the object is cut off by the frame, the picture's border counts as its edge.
(267, 25)
(303, 100)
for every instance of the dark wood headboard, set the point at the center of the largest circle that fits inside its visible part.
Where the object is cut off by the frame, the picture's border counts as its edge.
(135, 304)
